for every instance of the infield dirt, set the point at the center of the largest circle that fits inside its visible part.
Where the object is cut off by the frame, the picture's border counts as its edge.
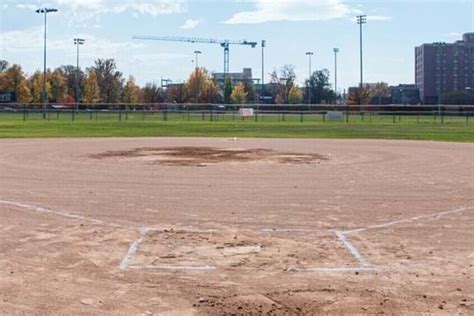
(235, 226)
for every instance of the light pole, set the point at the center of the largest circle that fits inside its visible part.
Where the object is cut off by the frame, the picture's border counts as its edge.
(45, 11)
(361, 19)
(335, 50)
(197, 52)
(309, 76)
(262, 93)
(78, 42)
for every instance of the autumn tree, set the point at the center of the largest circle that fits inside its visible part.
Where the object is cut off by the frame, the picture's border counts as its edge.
(195, 83)
(380, 90)
(131, 92)
(295, 96)
(177, 93)
(359, 96)
(239, 96)
(109, 80)
(227, 89)
(36, 84)
(91, 89)
(70, 73)
(282, 82)
(151, 93)
(58, 86)
(209, 91)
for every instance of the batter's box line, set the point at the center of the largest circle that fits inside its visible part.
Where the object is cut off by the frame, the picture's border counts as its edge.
(127, 262)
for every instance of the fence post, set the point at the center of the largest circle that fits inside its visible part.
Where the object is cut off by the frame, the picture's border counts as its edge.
(347, 116)
(24, 112)
(301, 117)
(393, 115)
(442, 117)
(467, 118)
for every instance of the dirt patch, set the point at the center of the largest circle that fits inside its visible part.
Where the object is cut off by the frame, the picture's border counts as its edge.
(202, 156)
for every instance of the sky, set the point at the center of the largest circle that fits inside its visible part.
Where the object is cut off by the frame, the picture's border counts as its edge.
(290, 28)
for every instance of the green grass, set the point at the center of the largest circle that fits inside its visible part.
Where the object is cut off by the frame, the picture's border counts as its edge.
(107, 124)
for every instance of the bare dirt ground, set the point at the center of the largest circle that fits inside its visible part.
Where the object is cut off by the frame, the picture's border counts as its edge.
(250, 226)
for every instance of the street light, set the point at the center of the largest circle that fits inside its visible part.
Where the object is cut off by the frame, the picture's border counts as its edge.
(335, 50)
(45, 11)
(309, 76)
(361, 19)
(78, 42)
(197, 52)
(262, 93)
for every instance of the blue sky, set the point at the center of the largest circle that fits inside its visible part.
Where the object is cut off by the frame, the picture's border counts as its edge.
(290, 28)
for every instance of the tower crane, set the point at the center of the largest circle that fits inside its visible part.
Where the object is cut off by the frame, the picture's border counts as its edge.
(224, 43)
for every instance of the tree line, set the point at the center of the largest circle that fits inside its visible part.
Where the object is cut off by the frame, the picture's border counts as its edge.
(104, 83)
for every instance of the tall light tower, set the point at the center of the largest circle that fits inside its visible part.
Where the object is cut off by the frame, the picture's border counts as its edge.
(45, 11)
(197, 52)
(309, 76)
(335, 50)
(262, 93)
(361, 19)
(78, 42)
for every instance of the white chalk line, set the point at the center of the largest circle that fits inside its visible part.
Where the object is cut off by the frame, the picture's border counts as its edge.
(406, 220)
(132, 250)
(134, 247)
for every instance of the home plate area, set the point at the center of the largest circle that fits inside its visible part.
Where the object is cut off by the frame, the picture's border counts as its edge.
(272, 250)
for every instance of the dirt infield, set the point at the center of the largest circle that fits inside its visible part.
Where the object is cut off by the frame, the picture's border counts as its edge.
(235, 226)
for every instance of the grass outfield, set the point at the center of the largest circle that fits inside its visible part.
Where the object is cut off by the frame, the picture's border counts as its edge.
(272, 126)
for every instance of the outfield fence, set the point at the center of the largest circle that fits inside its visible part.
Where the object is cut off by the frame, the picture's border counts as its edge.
(258, 112)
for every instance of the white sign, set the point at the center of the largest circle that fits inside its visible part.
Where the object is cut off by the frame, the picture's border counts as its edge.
(246, 112)
(334, 116)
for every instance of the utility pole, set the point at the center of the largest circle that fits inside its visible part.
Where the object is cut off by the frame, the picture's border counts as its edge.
(78, 42)
(335, 50)
(309, 76)
(262, 93)
(45, 11)
(361, 19)
(197, 52)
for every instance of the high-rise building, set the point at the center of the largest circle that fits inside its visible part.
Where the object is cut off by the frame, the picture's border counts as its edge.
(441, 68)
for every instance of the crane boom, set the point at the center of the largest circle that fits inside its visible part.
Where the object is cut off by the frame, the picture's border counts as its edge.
(223, 42)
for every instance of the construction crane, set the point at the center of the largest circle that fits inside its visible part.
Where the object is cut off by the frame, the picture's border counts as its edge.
(224, 43)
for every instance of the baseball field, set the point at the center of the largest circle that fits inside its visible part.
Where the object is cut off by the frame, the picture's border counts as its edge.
(231, 225)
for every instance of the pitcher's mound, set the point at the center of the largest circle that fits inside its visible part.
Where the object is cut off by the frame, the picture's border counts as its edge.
(199, 156)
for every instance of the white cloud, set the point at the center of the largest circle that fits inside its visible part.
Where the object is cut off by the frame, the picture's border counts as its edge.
(454, 34)
(297, 10)
(190, 24)
(99, 7)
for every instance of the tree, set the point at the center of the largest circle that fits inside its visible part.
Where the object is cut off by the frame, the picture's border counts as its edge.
(282, 82)
(36, 84)
(109, 80)
(151, 93)
(195, 83)
(296, 96)
(58, 85)
(3, 65)
(319, 88)
(69, 72)
(209, 92)
(359, 96)
(177, 94)
(249, 89)
(12, 79)
(239, 96)
(23, 94)
(91, 89)
(227, 89)
(380, 90)
(131, 92)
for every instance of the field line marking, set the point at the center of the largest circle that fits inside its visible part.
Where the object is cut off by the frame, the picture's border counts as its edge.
(330, 270)
(132, 250)
(406, 220)
(174, 267)
(57, 213)
(352, 249)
